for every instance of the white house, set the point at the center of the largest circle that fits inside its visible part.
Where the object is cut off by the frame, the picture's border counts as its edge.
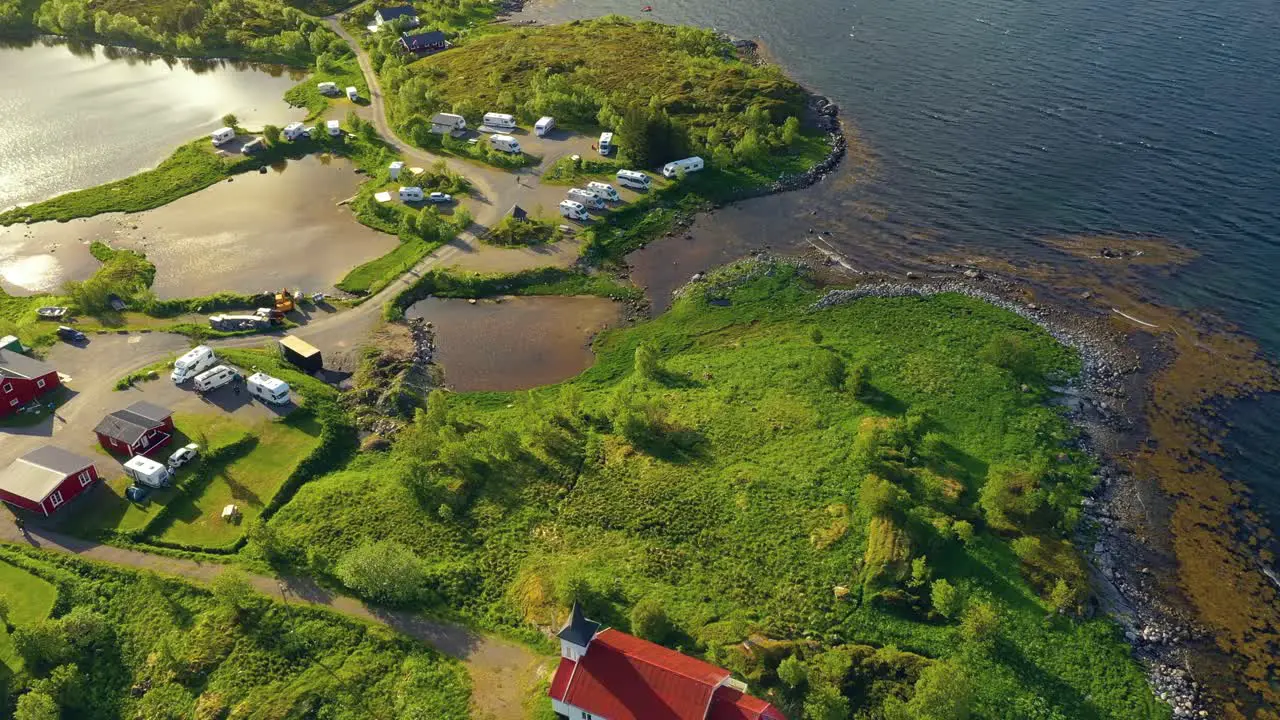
(335, 127)
(610, 675)
(411, 194)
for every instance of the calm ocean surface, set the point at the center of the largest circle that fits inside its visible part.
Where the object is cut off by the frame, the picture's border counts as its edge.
(994, 122)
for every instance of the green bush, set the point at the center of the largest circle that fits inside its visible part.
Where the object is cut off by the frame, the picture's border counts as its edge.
(384, 572)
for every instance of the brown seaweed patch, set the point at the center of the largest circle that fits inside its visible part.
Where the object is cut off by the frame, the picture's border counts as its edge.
(1122, 249)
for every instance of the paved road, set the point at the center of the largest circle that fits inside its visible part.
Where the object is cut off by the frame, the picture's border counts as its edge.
(502, 671)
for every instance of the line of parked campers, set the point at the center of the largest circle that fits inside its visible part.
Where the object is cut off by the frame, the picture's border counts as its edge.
(200, 366)
(580, 201)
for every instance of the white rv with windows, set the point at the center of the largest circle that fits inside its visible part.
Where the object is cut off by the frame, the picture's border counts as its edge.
(606, 143)
(411, 194)
(334, 127)
(499, 121)
(222, 136)
(687, 165)
(573, 210)
(268, 389)
(293, 131)
(544, 125)
(195, 361)
(633, 179)
(214, 379)
(586, 197)
(352, 93)
(604, 190)
(505, 143)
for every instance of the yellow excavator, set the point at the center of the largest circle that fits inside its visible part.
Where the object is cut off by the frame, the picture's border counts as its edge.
(284, 301)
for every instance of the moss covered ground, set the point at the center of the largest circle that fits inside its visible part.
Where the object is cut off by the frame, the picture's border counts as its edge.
(745, 467)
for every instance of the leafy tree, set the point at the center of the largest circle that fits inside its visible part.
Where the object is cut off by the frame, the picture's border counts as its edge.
(947, 599)
(1063, 598)
(980, 624)
(649, 620)
(36, 706)
(830, 369)
(385, 572)
(943, 692)
(230, 120)
(816, 336)
(920, 572)
(647, 363)
(790, 130)
(1012, 353)
(963, 530)
(634, 136)
(42, 646)
(1012, 499)
(65, 685)
(792, 672)
(271, 133)
(825, 702)
(879, 496)
(856, 379)
(233, 591)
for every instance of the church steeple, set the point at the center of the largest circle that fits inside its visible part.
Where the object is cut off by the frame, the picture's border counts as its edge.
(576, 634)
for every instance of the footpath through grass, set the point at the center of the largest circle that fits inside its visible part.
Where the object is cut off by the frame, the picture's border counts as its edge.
(124, 644)
(865, 491)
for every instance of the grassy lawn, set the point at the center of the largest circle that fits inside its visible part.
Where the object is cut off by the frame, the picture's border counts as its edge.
(30, 600)
(369, 278)
(27, 419)
(566, 172)
(249, 481)
(758, 468)
(345, 72)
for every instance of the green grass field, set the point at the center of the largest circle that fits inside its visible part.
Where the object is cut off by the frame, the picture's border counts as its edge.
(757, 469)
(141, 645)
(30, 599)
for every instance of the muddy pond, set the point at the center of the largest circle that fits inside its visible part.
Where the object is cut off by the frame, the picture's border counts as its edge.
(515, 343)
(252, 232)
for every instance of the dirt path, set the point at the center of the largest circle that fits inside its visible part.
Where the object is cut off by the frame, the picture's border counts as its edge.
(502, 671)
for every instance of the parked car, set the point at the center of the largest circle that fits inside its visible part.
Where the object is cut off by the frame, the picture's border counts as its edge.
(137, 493)
(439, 197)
(183, 455)
(71, 334)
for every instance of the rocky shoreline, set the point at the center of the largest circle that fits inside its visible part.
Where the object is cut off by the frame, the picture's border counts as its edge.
(1119, 562)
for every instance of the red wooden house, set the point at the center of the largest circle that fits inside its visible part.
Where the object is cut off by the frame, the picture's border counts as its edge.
(45, 479)
(615, 676)
(137, 430)
(23, 379)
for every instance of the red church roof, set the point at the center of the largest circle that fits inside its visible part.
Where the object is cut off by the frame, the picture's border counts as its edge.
(622, 677)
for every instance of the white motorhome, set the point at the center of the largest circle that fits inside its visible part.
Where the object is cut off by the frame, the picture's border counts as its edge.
(221, 136)
(505, 143)
(195, 361)
(606, 143)
(573, 210)
(214, 379)
(268, 389)
(586, 197)
(688, 165)
(633, 179)
(293, 131)
(334, 127)
(544, 125)
(500, 121)
(604, 190)
(352, 93)
(411, 194)
(327, 88)
(145, 471)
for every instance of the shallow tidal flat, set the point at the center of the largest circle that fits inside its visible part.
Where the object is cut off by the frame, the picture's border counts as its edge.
(515, 343)
(249, 233)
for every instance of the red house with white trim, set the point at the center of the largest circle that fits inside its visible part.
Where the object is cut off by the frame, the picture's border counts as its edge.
(45, 479)
(137, 430)
(23, 379)
(610, 675)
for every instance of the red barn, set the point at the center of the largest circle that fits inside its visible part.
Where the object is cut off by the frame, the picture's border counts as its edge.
(613, 675)
(23, 379)
(44, 479)
(137, 430)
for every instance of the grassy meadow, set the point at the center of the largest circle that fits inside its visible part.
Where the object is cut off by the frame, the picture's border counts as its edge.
(29, 600)
(868, 493)
(123, 644)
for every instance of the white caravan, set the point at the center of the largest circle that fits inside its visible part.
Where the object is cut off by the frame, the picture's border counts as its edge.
(214, 379)
(195, 361)
(586, 197)
(334, 127)
(505, 143)
(222, 136)
(544, 125)
(293, 131)
(411, 194)
(499, 121)
(573, 210)
(688, 165)
(604, 190)
(268, 389)
(633, 179)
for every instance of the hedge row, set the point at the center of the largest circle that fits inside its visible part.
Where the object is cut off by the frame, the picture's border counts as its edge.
(538, 281)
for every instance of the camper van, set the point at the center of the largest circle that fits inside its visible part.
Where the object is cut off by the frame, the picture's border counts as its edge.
(586, 197)
(335, 127)
(573, 210)
(145, 471)
(352, 93)
(500, 121)
(633, 179)
(606, 143)
(605, 191)
(268, 389)
(327, 88)
(505, 143)
(411, 194)
(544, 125)
(294, 130)
(688, 165)
(213, 379)
(196, 361)
(222, 136)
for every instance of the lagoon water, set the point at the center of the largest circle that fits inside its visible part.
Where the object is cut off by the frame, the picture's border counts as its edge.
(994, 123)
(76, 116)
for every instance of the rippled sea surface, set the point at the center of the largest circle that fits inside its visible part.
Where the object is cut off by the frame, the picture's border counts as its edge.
(996, 122)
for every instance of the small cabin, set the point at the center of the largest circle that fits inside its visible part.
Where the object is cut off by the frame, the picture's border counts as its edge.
(23, 379)
(139, 429)
(424, 43)
(222, 136)
(45, 478)
(395, 168)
